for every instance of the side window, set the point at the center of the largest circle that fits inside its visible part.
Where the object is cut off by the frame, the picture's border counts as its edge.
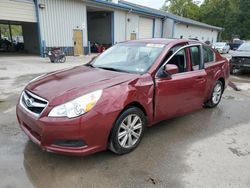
(208, 54)
(195, 57)
(179, 60)
(171, 52)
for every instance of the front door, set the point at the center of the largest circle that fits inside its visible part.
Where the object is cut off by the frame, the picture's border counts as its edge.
(182, 92)
(78, 44)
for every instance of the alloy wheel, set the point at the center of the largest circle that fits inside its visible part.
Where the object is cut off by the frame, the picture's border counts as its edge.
(217, 93)
(129, 131)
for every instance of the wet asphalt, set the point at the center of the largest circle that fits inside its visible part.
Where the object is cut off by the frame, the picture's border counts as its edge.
(208, 148)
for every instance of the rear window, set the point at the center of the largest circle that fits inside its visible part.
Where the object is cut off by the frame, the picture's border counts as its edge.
(208, 54)
(195, 57)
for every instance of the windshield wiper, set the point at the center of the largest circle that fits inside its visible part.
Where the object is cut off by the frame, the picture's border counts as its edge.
(89, 65)
(113, 69)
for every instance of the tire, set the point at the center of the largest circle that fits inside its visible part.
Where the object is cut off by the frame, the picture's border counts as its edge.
(234, 71)
(215, 95)
(130, 135)
(62, 59)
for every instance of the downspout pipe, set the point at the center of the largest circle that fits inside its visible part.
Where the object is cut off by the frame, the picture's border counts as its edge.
(41, 47)
(153, 34)
(173, 29)
(162, 26)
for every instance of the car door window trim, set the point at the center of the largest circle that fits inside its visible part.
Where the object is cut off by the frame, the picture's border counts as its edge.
(184, 47)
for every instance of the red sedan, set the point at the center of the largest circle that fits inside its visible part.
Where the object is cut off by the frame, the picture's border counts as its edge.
(109, 102)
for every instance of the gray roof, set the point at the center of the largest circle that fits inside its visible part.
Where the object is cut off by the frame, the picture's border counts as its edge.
(154, 12)
(172, 16)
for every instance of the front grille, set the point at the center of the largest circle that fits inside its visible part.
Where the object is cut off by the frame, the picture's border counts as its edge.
(242, 60)
(33, 103)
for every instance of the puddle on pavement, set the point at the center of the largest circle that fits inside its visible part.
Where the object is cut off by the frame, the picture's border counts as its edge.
(4, 78)
(240, 78)
(243, 86)
(229, 97)
(210, 158)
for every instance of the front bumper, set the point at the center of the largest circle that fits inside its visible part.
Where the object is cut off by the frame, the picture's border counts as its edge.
(237, 65)
(91, 129)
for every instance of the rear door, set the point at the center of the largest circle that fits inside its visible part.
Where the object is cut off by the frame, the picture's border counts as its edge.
(183, 92)
(211, 67)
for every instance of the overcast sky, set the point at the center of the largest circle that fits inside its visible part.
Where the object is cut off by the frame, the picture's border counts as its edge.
(152, 3)
(149, 3)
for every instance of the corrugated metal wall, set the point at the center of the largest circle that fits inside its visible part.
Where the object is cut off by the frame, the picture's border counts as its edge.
(18, 10)
(119, 26)
(158, 28)
(59, 18)
(132, 25)
(168, 28)
(190, 31)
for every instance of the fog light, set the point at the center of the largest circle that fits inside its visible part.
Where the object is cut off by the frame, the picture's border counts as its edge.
(70, 143)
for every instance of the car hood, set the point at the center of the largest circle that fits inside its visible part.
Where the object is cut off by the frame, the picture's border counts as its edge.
(65, 85)
(241, 54)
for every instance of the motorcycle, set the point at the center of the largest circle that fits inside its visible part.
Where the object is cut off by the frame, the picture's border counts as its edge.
(56, 55)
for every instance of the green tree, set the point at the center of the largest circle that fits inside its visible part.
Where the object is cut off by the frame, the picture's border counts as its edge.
(222, 13)
(16, 30)
(185, 8)
(232, 15)
(243, 24)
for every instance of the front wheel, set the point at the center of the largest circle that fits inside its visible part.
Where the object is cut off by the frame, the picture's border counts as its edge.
(62, 59)
(127, 131)
(216, 95)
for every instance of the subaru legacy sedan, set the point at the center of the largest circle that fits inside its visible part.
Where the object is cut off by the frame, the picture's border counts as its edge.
(108, 103)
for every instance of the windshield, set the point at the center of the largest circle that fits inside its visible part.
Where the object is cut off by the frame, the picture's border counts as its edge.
(129, 57)
(244, 47)
(220, 44)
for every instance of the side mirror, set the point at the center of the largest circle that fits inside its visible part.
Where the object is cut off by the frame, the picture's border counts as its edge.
(171, 69)
(167, 71)
(93, 58)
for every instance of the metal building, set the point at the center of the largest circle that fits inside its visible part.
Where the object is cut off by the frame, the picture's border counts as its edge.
(72, 24)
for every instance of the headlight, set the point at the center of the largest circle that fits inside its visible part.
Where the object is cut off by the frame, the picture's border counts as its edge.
(77, 106)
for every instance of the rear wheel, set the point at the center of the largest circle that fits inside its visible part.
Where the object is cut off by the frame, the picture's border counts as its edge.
(216, 95)
(127, 131)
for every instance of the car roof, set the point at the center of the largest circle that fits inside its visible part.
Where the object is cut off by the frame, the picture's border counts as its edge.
(162, 41)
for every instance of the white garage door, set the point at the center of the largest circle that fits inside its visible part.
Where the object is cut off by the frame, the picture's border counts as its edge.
(18, 10)
(145, 28)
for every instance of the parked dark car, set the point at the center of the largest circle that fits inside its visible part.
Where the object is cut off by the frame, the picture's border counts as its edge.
(240, 58)
(109, 102)
(235, 44)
